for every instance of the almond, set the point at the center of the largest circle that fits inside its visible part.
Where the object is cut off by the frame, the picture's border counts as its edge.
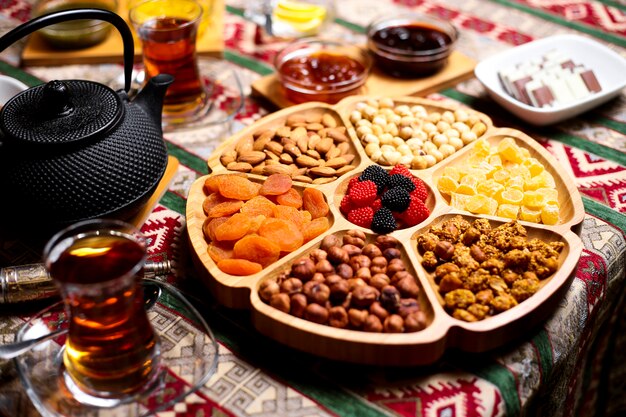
(334, 152)
(337, 134)
(251, 157)
(262, 140)
(285, 158)
(307, 161)
(328, 120)
(348, 157)
(303, 144)
(274, 147)
(292, 149)
(336, 163)
(323, 171)
(258, 169)
(313, 118)
(239, 166)
(344, 169)
(276, 169)
(324, 145)
(344, 147)
(303, 178)
(314, 140)
(295, 118)
(244, 144)
(228, 157)
(271, 156)
(283, 131)
(324, 180)
(299, 133)
(314, 126)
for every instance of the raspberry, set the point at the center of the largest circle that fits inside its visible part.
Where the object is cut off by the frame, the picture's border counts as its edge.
(353, 181)
(377, 174)
(383, 221)
(361, 216)
(402, 170)
(396, 199)
(399, 180)
(377, 204)
(416, 213)
(363, 193)
(420, 189)
(346, 204)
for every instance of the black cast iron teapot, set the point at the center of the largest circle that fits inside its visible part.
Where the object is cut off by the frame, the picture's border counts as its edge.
(72, 150)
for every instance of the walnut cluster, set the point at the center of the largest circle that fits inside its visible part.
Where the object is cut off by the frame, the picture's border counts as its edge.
(350, 284)
(482, 271)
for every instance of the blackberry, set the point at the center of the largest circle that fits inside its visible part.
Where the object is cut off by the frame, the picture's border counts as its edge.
(399, 180)
(396, 199)
(383, 221)
(377, 175)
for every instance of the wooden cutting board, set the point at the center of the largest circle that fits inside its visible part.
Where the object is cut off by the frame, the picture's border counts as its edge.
(460, 67)
(37, 52)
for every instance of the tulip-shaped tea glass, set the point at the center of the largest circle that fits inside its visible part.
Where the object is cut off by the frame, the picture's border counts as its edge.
(111, 351)
(168, 30)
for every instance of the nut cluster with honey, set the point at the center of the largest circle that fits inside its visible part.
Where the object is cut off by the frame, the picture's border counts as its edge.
(350, 284)
(482, 271)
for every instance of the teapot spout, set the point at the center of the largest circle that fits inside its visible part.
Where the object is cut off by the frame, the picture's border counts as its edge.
(150, 98)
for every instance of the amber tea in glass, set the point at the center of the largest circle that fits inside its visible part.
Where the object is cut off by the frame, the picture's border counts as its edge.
(168, 30)
(111, 350)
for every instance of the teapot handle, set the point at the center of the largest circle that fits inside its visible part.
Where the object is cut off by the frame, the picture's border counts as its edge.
(74, 14)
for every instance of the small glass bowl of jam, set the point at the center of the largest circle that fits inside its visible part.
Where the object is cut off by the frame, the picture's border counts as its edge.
(411, 45)
(314, 69)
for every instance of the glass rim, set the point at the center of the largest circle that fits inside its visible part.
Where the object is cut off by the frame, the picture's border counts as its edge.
(197, 17)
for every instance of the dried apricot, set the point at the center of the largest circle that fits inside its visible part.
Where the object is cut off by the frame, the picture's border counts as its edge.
(225, 209)
(258, 205)
(276, 184)
(290, 198)
(257, 249)
(255, 223)
(212, 183)
(217, 252)
(283, 232)
(238, 188)
(212, 200)
(315, 228)
(234, 228)
(239, 267)
(209, 226)
(313, 200)
(289, 213)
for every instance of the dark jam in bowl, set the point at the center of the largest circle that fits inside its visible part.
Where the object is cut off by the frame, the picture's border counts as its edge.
(411, 49)
(321, 76)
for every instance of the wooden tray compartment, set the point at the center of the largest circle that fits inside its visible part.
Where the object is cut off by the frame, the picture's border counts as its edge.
(444, 331)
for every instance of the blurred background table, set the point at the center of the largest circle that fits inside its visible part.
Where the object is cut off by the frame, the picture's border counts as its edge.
(572, 365)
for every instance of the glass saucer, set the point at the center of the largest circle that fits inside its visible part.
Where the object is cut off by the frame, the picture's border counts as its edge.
(189, 356)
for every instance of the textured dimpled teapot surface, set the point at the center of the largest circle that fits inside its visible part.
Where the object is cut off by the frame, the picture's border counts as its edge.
(432, 313)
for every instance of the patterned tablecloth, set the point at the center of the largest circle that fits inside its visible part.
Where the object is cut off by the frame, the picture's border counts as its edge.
(572, 365)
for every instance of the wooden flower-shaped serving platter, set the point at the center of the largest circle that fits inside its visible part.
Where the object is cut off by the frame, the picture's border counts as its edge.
(442, 331)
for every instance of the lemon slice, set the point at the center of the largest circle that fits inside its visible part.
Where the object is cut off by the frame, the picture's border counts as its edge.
(299, 12)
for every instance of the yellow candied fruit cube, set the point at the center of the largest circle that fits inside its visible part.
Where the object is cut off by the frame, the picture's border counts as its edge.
(542, 180)
(510, 196)
(510, 211)
(458, 201)
(475, 159)
(447, 185)
(550, 195)
(533, 199)
(515, 182)
(530, 214)
(473, 179)
(550, 214)
(481, 147)
(490, 188)
(525, 152)
(520, 171)
(495, 160)
(501, 175)
(481, 204)
(452, 172)
(534, 166)
(508, 150)
(466, 189)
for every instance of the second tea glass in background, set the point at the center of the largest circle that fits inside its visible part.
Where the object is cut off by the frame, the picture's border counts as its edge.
(168, 31)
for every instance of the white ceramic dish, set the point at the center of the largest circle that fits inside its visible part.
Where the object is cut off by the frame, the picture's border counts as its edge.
(9, 87)
(609, 67)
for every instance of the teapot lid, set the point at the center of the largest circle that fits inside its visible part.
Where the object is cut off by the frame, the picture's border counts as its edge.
(61, 112)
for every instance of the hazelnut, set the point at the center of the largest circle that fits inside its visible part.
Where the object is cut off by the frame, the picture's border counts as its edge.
(316, 292)
(357, 234)
(339, 290)
(444, 250)
(470, 236)
(318, 277)
(392, 253)
(364, 295)
(303, 268)
(360, 261)
(337, 255)
(354, 240)
(280, 302)
(400, 275)
(429, 260)
(353, 283)
(357, 317)
(477, 253)
(379, 265)
(364, 273)
(329, 242)
(373, 324)
(408, 287)
(415, 322)
(393, 324)
(394, 266)
(408, 306)
(318, 255)
(291, 286)
(378, 310)
(371, 250)
(427, 242)
(332, 279)
(378, 281)
(445, 269)
(450, 282)
(351, 250)
(384, 241)
(390, 298)
(345, 271)
(324, 266)
(338, 317)
(268, 288)
(316, 313)
(298, 304)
